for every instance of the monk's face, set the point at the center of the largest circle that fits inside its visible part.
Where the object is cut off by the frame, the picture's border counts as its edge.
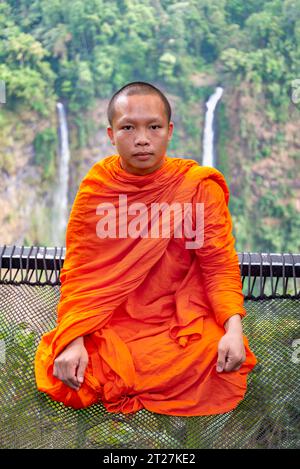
(141, 132)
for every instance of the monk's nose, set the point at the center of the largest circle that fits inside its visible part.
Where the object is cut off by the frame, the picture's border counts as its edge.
(142, 139)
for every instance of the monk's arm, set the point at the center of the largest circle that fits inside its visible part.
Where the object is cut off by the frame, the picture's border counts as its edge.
(218, 258)
(221, 275)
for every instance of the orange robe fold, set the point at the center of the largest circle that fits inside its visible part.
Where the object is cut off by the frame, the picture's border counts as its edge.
(151, 311)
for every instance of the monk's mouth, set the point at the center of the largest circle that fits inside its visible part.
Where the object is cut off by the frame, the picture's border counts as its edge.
(144, 156)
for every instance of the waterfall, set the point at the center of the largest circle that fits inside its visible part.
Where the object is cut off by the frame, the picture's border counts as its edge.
(208, 138)
(60, 211)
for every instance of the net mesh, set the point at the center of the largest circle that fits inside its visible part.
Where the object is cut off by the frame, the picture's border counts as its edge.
(268, 417)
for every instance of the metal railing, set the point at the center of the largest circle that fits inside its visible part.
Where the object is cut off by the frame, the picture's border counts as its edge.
(264, 275)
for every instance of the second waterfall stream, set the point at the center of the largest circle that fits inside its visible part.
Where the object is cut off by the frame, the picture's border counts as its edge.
(208, 134)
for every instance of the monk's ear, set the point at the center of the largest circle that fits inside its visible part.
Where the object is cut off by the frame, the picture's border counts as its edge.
(171, 128)
(110, 134)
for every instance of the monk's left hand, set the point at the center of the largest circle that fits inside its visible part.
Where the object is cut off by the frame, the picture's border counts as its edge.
(231, 349)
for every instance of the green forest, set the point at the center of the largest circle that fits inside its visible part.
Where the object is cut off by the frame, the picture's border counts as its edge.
(77, 51)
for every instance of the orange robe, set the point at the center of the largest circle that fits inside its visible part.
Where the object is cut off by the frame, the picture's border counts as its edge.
(150, 310)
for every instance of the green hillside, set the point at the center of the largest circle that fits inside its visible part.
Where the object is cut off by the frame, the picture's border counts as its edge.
(80, 52)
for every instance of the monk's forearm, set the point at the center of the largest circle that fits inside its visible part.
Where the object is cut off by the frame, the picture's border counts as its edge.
(79, 340)
(234, 324)
(218, 258)
(75, 342)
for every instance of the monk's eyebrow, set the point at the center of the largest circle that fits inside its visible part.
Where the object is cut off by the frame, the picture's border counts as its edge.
(134, 121)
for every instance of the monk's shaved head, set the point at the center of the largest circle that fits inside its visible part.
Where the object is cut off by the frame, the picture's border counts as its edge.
(137, 88)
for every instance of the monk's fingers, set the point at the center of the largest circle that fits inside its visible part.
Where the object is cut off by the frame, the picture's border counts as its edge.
(81, 369)
(236, 368)
(221, 358)
(66, 372)
(71, 384)
(232, 368)
(69, 377)
(58, 370)
(234, 364)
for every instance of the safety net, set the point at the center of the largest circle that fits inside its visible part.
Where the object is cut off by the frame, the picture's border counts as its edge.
(268, 416)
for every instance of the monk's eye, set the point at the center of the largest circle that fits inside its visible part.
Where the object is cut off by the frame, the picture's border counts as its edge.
(156, 126)
(126, 127)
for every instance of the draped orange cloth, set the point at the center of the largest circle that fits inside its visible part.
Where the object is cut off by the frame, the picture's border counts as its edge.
(150, 310)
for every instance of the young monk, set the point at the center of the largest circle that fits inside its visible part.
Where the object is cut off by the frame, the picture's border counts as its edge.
(150, 310)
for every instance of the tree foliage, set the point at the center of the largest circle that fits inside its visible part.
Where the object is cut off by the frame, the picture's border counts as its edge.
(80, 50)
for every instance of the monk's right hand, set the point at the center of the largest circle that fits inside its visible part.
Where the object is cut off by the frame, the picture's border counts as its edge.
(70, 364)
